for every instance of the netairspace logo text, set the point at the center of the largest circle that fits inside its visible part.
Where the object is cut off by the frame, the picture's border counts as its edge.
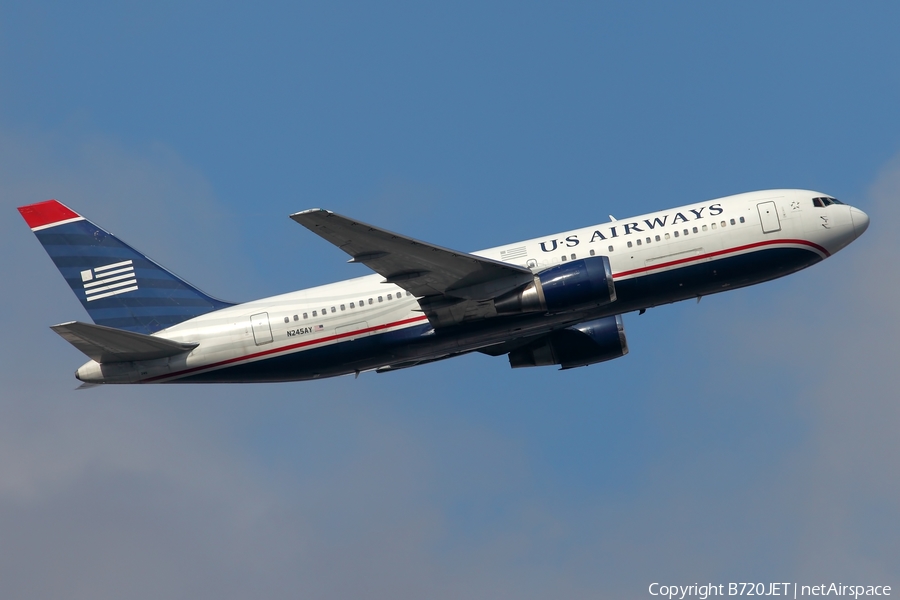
(781, 588)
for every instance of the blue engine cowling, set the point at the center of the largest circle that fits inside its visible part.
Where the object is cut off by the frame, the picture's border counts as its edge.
(577, 346)
(569, 286)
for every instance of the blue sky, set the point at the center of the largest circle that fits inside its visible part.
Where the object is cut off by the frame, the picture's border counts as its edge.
(751, 437)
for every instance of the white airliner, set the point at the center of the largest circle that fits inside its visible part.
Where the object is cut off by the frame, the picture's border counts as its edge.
(555, 300)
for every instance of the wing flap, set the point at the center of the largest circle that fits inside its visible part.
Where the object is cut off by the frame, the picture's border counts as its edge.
(420, 268)
(106, 344)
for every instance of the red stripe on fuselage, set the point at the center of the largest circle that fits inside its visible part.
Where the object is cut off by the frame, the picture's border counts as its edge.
(423, 317)
(46, 213)
(682, 261)
(323, 340)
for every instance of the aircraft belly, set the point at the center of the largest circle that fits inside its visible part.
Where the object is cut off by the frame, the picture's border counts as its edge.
(316, 362)
(711, 277)
(414, 343)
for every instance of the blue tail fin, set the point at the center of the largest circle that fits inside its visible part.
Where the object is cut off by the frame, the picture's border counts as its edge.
(118, 286)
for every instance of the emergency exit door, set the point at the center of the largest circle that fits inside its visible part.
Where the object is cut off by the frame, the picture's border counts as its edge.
(262, 333)
(768, 217)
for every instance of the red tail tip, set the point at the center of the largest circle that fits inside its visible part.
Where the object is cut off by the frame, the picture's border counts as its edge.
(46, 213)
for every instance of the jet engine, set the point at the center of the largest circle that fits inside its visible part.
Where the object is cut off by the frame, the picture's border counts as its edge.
(576, 284)
(577, 346)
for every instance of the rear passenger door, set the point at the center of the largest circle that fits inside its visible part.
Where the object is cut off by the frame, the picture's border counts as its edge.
(262, 332)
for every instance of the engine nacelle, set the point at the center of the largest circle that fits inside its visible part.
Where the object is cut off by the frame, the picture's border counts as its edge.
(573, 285)
(577, 346)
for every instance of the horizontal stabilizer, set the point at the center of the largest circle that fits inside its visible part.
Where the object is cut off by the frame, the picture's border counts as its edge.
(106, 344)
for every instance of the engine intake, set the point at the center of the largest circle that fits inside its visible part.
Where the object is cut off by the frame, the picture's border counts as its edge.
(577, 346)
(569, 286)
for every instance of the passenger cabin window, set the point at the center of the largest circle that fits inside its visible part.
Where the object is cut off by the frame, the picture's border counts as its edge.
(314, 313)
(742, 219)
(296, 318)
(352, 305)
(610, 248)
(722, 223)
(732, 221)
(704, 227)
(675, 232)
(343, 307)
(713, 226)
(305, 316)
(592, 253)
(573, 257)
(686, 232)
(639, 241)
(381, 298)
(648, 239)
(629, 244)
(371, 301)
(287, 320)
(563, 258)
(695, 230)
(667, 236)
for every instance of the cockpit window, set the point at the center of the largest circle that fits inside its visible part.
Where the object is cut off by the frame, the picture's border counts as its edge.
(825, 201)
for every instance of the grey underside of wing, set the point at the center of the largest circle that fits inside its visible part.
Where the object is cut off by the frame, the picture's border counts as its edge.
(421, 268)
(106, 344)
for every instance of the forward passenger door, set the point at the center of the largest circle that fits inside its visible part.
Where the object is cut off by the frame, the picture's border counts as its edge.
(768, 217)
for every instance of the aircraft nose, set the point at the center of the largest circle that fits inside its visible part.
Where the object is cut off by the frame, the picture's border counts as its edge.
(860, 221)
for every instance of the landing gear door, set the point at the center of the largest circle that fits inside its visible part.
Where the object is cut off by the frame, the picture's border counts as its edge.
(768, 217)
(262, 333)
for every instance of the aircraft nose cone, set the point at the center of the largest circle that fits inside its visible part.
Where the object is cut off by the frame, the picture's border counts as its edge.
(860, 221)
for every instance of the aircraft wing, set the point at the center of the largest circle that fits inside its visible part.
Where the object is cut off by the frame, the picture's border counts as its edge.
(421, 268)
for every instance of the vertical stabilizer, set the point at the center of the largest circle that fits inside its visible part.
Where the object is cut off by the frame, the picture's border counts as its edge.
(117, 285)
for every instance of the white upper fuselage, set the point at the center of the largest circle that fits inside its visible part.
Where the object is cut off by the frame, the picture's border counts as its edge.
(636, 247)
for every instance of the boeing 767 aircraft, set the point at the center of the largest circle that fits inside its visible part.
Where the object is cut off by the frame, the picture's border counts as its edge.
(555, 300)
